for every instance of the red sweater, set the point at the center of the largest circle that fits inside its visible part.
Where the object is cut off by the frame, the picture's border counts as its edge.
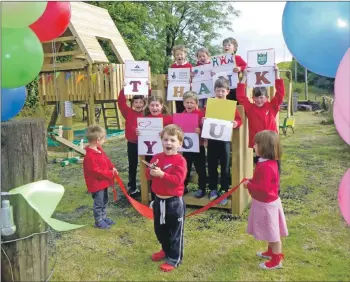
(200, 64)
(176, 66)
(264, 185)
(167, 119)
(240, 62)
(98, 170)
(261, 118)
(175, 170)
(200, 125)
(238, 118)
(130, 117)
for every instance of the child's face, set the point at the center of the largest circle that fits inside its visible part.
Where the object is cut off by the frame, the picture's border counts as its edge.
(260, 100)
(190, 105)
(255, 147)
(155, 107)
(180, 57)
(138, 105)
(170, 144)
(203, 58)
(229, 48)
(221, 92)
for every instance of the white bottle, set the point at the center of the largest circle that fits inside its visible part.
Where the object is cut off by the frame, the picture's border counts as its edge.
(81, 144)
(7, 224)
(60, 131)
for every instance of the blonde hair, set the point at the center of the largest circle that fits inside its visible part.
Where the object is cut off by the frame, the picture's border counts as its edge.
(202, 50)
(165, 110)
(190, 94)
(268, 143)
(173, 130)
(179, 47)
(222, 82)
(231, 40)
(95, 132)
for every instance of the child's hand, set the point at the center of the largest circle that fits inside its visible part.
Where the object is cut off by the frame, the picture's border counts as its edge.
(203, 119)
(244, 78)
(237, 69)
(115, 171)
(156, 172)
(137, 132)
(234, 124)
(245, 184)
(277, 71)
(192, 74)
(198, 131)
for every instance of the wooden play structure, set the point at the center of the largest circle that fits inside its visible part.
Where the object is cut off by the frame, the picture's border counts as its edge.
(242, 156)
(84, 74)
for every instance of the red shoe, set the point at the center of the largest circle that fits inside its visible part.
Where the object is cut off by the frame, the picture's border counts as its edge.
(267, 254)
(166, 267)
(274, 262)
(158, 256)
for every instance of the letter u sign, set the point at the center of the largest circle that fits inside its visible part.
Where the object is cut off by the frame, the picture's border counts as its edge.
(216, 133)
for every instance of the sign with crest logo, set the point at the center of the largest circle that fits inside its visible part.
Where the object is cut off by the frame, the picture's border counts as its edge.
(261, 58)
(136, 78)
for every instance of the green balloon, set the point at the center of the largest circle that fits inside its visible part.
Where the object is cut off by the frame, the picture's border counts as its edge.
(21, 14)
(22, 57)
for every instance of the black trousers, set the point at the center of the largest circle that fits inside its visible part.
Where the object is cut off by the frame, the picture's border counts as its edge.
(232, 95)
(219, 152)
(148, 159)
(198, 159)
(169, 219)
(133, 162)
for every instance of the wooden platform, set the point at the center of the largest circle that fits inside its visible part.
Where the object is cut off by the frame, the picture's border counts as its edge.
(68, 144)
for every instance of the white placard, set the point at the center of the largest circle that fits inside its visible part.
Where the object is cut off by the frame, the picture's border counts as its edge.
(201, 73)
(136, 86)
(179, 75)
(261, 77)
(68, 109)
(149, 126)
(149, 145)
(176, 91)
(191, 143)
(136, 69)
(261, 58)
(217, 129)
(223, 60)
(204, 89)
(231, 76)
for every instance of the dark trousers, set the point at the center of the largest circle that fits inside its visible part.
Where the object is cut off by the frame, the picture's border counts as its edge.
(169, 220)
(198, 159)
(148, 159)
(256, 159)
(133, 162)
(219, 152)
(100, 204)
(232, 95)
(179, 106)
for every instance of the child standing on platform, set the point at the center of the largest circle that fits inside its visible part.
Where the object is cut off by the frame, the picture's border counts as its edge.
(203, 58)
(98, 173)
(168, 175)
(266, 220)
(220, 151)
(190, 100)
(180, 55)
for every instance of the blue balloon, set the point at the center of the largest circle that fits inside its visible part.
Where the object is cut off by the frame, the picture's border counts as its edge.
(12, 101)
(317, 34)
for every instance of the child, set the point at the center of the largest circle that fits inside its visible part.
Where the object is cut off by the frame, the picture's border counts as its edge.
(230, 45)
(191, 107)
(98, 174)
(168, 175)
(220, 151)
(261, 114)
(203, 58)
(180, 54)
(130, 115)
(266, 220)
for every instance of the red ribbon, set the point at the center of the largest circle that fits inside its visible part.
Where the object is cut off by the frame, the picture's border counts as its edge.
(148, 212)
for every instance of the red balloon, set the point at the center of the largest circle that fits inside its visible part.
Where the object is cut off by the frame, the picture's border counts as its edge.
(53, 22)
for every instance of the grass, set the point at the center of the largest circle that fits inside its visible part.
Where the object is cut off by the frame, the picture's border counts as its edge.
(217, 247)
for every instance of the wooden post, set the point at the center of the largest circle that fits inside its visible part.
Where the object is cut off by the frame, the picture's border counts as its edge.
(24, 160)
(144, 182)
(91, 101)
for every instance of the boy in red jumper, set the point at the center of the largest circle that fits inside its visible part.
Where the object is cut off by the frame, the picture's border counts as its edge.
(130, 115)
(198, 159)
(230, 45)
(180, 54)
(98, 174)
(266, 220)
(168, 172)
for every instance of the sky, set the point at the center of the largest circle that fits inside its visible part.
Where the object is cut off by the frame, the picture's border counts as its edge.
(259, 26)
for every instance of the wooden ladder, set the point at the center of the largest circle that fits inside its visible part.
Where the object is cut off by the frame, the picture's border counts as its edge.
(116, 116)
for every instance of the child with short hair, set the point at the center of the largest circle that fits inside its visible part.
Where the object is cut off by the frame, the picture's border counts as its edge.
(180, 56)
(190, 100)
(130, 115)
(168, 172)
(230, 45)
(266, 219)
(98, 173)
(261, 114)
(203, 58)
(220, 151)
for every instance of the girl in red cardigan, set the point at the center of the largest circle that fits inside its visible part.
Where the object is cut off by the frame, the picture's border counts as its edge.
(266, 220)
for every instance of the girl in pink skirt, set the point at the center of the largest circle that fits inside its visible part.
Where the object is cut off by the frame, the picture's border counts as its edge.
(266, 220)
